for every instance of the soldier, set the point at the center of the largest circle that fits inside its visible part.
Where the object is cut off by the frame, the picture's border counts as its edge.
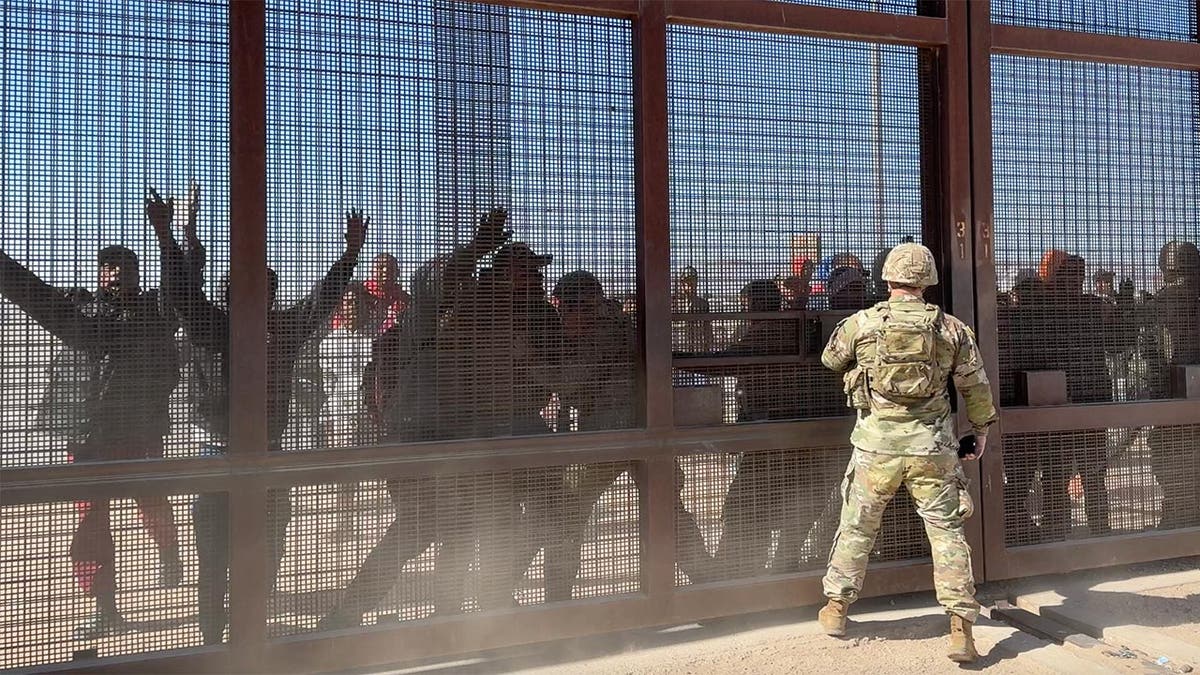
(1103, 285)
(1175, 331)
(690, 335)
(897, 357)
(122, 346)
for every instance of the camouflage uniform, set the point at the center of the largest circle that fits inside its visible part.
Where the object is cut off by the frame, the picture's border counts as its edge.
(897, 357)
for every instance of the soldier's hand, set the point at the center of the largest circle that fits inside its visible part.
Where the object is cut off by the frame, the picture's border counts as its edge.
(491, 233)
(980, 444)
(159, 211)
(356, 229)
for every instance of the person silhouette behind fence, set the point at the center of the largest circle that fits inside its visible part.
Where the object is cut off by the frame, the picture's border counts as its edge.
(344, 352)
(387, 298)
(499, 360)
(1020, 334)
(1174, 326)
(598, 382)
(120, 342)
(770, 489)
(208, 329)
(401, 385)
(1075, 332)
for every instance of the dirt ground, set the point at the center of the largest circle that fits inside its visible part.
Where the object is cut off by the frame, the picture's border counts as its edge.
(904, 635)
(904, 646)
(1174, 610)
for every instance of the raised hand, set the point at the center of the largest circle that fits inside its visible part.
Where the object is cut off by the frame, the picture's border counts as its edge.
(491, 233)
(193, 209)
(159, 211)
(356, 229)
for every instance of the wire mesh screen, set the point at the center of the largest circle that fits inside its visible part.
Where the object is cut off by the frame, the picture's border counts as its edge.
(887, 6)
(741, 515)
(491, 149)
(1151, 19)
(97, 578)
(1097, 186)
(414, 548)
(795, 166)
(101, 101)
(1099, 482)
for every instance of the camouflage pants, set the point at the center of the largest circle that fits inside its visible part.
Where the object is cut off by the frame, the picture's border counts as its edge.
(934, 483)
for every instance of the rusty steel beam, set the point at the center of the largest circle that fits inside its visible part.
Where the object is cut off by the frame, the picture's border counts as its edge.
(1075, 46)
(192, 660)
(811, 20)
(248, 434)
(1100, 415)
(70, 481)
(652, 194)
(953, 214)
(611, 8)
(1071, 556)
(990, 468)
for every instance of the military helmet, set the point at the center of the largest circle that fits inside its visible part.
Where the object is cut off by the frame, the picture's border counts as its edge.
(910, 264)
(1179, 257)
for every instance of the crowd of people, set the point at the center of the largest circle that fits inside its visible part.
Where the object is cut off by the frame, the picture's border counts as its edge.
(1112, 344)
(478, 347)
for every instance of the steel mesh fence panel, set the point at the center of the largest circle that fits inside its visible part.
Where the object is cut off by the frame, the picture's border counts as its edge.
(742, 515)
(419, 547)
(1097, 183)
(1089, 483)
(795, 166)
(886, 6)
(1151, 19)
(100, 102)
(492, 150)
(97, 578)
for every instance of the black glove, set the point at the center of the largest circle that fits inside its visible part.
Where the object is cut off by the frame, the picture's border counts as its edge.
(966, 446)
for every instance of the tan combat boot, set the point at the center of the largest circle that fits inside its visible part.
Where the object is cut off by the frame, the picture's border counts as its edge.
(833, 617)
(962, 643)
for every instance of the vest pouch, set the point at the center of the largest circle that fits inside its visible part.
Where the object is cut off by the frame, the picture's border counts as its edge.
(854, 383)
(904, 360)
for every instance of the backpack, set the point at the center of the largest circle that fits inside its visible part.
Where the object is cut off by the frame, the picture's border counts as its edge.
(906, 355)
(63, 409)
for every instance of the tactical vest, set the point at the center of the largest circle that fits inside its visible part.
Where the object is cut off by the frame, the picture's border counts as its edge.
(904, 360)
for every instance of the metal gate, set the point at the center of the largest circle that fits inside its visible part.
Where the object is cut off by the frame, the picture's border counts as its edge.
(401, 471)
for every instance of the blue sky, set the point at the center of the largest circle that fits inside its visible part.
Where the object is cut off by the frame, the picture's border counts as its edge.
(1112, 150)
(103, 98)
